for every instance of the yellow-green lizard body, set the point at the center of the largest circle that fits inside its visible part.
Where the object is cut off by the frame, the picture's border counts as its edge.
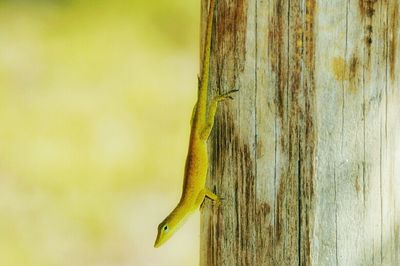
(194, 190)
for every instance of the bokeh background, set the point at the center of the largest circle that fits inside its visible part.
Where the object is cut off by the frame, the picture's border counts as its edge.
(95, 103)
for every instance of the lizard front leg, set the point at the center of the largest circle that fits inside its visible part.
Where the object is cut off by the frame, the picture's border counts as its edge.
(205, 133)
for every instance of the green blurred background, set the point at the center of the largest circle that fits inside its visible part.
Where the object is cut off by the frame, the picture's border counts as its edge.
(95, 103)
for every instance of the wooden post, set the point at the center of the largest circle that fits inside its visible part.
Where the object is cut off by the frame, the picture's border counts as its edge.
(307, 155)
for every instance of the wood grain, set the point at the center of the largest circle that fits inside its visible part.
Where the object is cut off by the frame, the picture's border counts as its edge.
(307, 155)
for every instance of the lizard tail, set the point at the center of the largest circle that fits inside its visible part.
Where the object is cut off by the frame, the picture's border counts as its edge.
(204, 77)
(207, 43)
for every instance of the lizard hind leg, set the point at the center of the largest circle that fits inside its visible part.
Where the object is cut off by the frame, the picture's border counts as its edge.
(205, 193)
(212, 197)
(211, 112)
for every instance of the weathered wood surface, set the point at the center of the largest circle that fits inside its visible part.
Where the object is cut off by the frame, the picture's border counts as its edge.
(307, 156)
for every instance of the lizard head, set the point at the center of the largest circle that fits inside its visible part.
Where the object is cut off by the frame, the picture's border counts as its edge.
(165, 230)
(169, 226)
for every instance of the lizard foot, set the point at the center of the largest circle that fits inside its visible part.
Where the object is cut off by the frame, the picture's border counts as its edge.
(226, 96)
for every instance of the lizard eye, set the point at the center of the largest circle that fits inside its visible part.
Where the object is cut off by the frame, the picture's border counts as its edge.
(165, 228)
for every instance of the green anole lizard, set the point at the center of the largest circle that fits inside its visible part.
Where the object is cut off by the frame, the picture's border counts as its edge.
(194, 190)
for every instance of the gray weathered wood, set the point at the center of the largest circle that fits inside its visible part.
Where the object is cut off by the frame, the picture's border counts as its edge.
(307, 156)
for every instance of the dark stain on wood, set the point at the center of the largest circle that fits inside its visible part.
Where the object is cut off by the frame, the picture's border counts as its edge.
(309, 35)
(393, 32)
(308, 136)
(295, 102)
(241, 200)
(279, 210)
(353, 67)
(367, 8)
(278, 50)
(246, 193)
(231, 24)
(264, 209)
(292, 215)
(367, 11)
